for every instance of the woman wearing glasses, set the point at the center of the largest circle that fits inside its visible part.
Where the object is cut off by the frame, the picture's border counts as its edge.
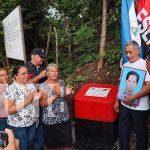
(18, 102)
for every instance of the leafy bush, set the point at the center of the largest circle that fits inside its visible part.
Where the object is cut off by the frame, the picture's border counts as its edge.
(73, 81)
(113, 55)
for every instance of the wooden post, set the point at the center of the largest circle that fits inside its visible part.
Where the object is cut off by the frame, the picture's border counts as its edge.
(56, 39)
(48, 43)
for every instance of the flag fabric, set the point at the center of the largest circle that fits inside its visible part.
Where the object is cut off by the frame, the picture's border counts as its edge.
(129, 26)
(143, 17)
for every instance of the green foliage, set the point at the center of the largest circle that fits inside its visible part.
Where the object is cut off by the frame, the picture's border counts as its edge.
(115, 69)
(84, 33)
(113, 50)
(113, 55)
(65, 66)
(79, 79)
(114, 12)
(69, 81)
(81, 19)
(10, 70)
(86, 58)
(73, 81)
(85, 44)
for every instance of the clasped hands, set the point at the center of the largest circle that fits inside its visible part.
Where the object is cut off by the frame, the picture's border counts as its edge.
(57, 89)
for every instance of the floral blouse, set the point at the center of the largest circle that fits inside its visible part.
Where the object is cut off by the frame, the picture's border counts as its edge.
(56, 112)
(26, 116)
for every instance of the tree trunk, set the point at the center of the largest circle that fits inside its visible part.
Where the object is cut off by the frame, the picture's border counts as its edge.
(69, 40)
(56, 40)
(48, 43)
(69, 48)
(103, 36)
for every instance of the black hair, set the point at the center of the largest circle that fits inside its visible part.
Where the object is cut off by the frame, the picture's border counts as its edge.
(1, 66)
(133, 73)
(16, 69)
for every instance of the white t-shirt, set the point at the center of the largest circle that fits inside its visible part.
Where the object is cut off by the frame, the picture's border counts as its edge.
(144, 101)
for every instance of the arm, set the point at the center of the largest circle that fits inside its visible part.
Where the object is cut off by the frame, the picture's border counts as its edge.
(45, 101)
(38, 77)
(117, 105)
(144, 91)
(12, 108)
(1, 101)
(69, 90)
(2, 93)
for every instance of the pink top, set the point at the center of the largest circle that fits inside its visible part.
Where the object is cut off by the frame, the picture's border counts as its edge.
(3, 113)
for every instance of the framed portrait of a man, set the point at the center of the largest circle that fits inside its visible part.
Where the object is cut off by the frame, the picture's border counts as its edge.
(131, 82)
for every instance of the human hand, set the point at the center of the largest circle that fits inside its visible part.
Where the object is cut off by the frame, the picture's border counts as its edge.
(30, 96)
(38, 95)
(148, 43)
(13, 143)
(116, 106)
(69, 89)
(128, 99)
(57, 88)
(43, 94)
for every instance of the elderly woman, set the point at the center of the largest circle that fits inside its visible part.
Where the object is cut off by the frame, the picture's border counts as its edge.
(18, 102)
(55, 112)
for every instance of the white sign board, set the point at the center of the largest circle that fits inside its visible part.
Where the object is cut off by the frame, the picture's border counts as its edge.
(13, 35)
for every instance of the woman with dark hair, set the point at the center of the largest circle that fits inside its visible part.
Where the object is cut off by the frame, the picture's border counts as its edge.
(3, 86)
(58, 133)
(21, 112)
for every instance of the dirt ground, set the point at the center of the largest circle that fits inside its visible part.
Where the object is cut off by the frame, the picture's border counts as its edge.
(107, 75)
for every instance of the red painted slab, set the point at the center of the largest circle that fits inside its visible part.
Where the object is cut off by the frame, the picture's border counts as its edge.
(96, 108)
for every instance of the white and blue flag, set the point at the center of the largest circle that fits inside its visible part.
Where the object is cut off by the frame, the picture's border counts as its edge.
(129, 26)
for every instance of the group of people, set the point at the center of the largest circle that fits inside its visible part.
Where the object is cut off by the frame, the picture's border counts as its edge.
(34, 105)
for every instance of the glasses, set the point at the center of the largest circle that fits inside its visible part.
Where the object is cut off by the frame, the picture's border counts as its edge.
(24, 73)
(3, 75)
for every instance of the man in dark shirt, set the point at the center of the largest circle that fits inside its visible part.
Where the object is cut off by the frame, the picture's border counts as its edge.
(36, 66)
(37, 75)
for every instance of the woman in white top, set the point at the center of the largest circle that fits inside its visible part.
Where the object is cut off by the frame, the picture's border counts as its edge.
(22, 114)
